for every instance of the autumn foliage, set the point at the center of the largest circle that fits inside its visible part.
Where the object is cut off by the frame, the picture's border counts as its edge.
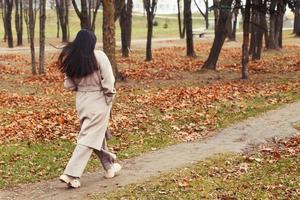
(170, 87)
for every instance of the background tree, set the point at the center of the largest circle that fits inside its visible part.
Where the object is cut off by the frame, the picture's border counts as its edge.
(31, 22)
(3, 14)
(87, 19)
(109, 40)
(232, 22)
(63, 13)
(42, 36)
(258, 27)
(19, 21)
(220, 34)
(216, 6)
(189, 28)
(180, 26)
(245, 47)
(34, 5)
(205, 13)
(277, 10)
(295, 6)
(8, 12)
(150, 7)
(126, 27)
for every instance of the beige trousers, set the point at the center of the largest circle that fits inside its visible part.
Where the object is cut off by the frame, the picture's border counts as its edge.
(81, 156)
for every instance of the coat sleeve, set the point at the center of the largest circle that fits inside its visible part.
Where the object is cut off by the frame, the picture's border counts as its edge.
(107, 78)
(69, 84)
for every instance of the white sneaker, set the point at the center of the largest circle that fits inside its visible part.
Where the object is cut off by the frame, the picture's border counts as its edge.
(75, 183)
(115, 168)
(70, 181)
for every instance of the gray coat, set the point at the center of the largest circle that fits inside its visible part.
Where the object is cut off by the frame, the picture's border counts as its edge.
(94, 95)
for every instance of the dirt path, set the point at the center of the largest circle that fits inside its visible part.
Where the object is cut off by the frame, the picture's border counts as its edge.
(236, 138)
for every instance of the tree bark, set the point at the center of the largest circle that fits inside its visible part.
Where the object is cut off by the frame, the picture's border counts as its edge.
(57, 19)
(277, 10)
(63, 18)
(220, 35)
(109, 40)
(126, 27)
(98, 3)
(3, 5)
(216, 5)
(85, 15)
(181, 29)
(19, 21)
(42, 36)
(189, 28)
(150, 7)
(245, 47)
(31, 36)
(204, 14)
(9, 7)
(297, 19)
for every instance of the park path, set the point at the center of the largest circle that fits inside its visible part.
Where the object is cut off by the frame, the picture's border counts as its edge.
(277, 123)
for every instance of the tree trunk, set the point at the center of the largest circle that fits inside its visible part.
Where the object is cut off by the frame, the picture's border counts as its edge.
(206, 14)
(31, 36)
(181, 30)
(220, 35)
(245, 47)
(9, 7)
(258, 29)
(57, 19)
(109, 40)
(19, 21)
(42, 36)
(149, 38)
(3, 3)
(63, 18)
(98, 3)
(297, 20)
(126, 26)
(150, 7)
(83, 15)
(216, 5)
(277, 10)
(189, 28)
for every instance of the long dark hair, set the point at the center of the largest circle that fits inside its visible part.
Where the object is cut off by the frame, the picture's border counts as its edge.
(77, 58)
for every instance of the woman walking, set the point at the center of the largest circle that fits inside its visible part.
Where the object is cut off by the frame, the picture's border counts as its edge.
(89, 73)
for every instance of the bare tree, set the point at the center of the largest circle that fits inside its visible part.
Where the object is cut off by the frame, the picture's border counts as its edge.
(126, 27)
(42, 36)
(220, 35)
(87, 20)
(109, 40)
(205, 13)
(245, 47)
(180, 26)
(3, 7)
(150, 7)
(63, 13)
(8, 26)
(296, 9)
(277, 10)
(19, 21)
(189, 28)
(31, 35)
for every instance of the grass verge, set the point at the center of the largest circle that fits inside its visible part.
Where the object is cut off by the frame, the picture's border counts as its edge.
(259, 175)
(25, 162)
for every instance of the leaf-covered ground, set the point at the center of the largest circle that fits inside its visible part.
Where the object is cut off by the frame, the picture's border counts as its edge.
(162, 102)
(270, 172)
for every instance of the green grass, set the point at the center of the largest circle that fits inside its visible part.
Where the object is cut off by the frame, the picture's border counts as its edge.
(227, 176)
(22, 162)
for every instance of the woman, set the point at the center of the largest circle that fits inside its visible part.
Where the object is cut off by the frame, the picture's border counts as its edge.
(89, 73)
